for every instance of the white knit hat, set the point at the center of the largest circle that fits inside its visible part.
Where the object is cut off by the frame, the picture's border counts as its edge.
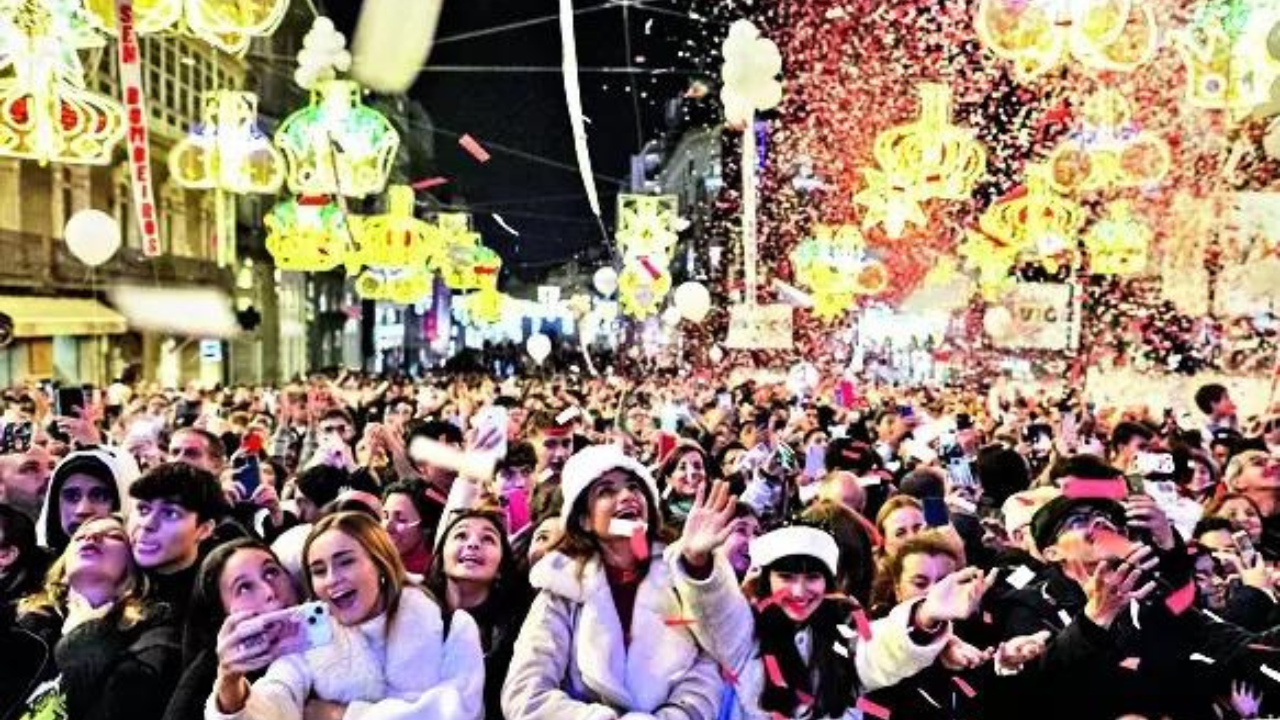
(588, 464)
(796, 540)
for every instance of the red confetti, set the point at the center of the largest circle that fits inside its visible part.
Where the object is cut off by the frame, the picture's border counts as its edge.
(1259, 647)
(863, 625)
(679, 622)
(474, 148)
(429, 183)
(873, 709)
(964, 686)
(1180, 600)
(650, 268)
(640, 543)
(1096, 489)
(774, 672)
(728, 675)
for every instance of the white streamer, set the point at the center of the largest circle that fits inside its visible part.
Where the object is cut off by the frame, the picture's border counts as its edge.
(501, 221)
(573, 98)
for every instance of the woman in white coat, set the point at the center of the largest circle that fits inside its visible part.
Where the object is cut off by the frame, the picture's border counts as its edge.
(793, 647)
(391, 657)
(604, 638)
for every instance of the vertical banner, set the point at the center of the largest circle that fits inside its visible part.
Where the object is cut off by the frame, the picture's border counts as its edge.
(144, 202)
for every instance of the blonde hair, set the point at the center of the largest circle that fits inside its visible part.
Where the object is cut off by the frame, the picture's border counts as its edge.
(132, 599)
(894, 504)
(928, 542)
(371, 536)
(1237, 466)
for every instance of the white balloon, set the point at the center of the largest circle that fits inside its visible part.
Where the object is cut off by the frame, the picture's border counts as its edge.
(92, 236)
(715, 354)
(538, 346)
(998, 322)
(693, 301)
(335, 43)
(606, 281)
(305, 76)
(342, 61)
(322, 24)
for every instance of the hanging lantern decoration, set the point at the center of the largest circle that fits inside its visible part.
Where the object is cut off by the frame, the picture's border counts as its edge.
(307, 235)
(646, 237)
(1225, 50)
(458, 253)
(834, 266)
(929, 159)
(46, 114)
(394, 240)
(227, 150)
(1120, 243)
(1109, 151)
(337, 145)
(1039, 35)
(1034, 221)
(228, 25)
(404, 287)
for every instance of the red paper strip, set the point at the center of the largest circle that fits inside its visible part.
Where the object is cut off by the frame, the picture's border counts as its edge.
(728, 675)
(987, 619)
(679, 622)
(804, 697)
(650, 268)
(774, 672)
(1259, 647)
(964, 686)
(1096, 489)
(474, 148)
(1180, 600)
(862, 624)
(640, 543)
(873, 709)
(429, 183)
(144, 201)
(1130, 663)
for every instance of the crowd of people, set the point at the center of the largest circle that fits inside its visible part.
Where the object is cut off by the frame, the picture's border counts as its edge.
(680, 547)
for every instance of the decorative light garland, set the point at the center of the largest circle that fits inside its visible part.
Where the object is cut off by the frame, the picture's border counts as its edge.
(46, 114)
(1039, 35)
(396, 239)
(834, 266)
(229, 25)
(307, 235)
(337, 145)
(228, 151)
(1109, 150)
(1120, 243)
(646, 237)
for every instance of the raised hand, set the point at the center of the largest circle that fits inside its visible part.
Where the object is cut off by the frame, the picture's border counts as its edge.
(1113, 586)
(1245, 700)
(708, 525)
(955, 597)
(1016, 652)
(959, 655)
(1143, 513)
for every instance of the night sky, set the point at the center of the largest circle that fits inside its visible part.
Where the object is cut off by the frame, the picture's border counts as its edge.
(526, 111)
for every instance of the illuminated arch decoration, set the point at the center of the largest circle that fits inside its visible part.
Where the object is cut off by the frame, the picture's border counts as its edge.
(1109, 151)
(928, 159)
(1035, 222)
(228, 151)
(1039, 35)
(833, 265)
(1120, 243)
(46, 114)
(395, 239)
(228, 25)
(646, 238)
(308, 235)
(337, 145)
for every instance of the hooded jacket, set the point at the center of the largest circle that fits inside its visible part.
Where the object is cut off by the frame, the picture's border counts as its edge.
(113, 466)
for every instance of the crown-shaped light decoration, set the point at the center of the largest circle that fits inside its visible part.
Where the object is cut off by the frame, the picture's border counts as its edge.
(405, 286)
(1120, 243)
(1039, 35)
(1222, 73)
(927, 159)
(646, 237)
(228, 25)
(1109, 150)
(1035, 222)
(834, 266)
(337, 145)
(308, 235)
(458, 253)
(46, 114)
(228, 151)
(395, 239)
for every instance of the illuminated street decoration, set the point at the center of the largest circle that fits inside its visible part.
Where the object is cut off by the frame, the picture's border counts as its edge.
(927, 159)
(395, 239)
(1228, 67)
(1109, 151)
(228, 151)
(459, 252)
(46, 114)
(1120, 243)
(405, 287)
(307, 235)
(646, 237)
(834, 267)
(229, 25)
(1039, 35)
(337, 145)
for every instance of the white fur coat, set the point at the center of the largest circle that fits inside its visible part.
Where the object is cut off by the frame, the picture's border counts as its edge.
(571, 662)
(408, 670)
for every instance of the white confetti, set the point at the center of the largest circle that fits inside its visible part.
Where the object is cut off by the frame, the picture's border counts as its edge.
(499, 219)
(1197, 657)
(1020, 577)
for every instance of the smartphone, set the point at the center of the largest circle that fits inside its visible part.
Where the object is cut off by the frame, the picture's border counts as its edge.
(961, 473)
(293, 630)
(67, 400)
(815, 461)
(1248, 553)
(906, 412)
(493, 420)
(936, 513)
